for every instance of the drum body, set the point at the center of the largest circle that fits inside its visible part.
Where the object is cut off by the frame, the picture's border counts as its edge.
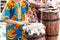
(50, 20)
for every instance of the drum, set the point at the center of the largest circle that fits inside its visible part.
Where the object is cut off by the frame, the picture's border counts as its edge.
(50, 20)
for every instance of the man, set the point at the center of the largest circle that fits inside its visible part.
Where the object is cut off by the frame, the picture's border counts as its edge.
(14, 15)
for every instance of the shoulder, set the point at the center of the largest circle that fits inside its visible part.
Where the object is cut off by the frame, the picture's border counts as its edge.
(10, 5)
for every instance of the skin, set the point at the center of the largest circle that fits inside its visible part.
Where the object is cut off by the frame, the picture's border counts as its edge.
(15, 22)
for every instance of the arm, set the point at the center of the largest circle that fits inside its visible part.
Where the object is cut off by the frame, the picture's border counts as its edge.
(14, 22)
(6, 15)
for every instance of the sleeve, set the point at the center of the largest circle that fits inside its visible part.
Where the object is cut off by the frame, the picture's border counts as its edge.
(25, 9)
(5, 13)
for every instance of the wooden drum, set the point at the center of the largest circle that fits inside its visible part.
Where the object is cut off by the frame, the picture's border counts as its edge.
(50, 20)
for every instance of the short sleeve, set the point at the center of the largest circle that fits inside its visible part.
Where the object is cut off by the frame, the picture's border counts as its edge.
(5, 13)
(25, 8)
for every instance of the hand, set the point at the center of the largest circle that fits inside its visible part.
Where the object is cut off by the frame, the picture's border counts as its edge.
(26, 22)
(58, 3)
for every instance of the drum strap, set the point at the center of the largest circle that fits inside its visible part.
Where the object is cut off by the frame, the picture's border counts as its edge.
(52, 35)
(51, 20)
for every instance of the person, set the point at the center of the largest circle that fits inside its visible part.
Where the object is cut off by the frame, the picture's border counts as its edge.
(14, 15)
